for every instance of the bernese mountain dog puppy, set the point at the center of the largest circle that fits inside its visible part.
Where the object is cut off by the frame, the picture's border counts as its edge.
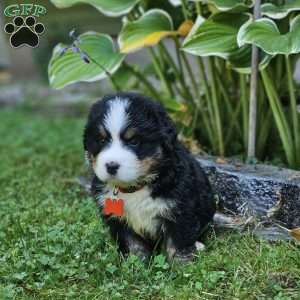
(150, 189)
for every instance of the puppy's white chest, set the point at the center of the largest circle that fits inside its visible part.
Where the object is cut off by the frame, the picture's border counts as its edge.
(142, 212)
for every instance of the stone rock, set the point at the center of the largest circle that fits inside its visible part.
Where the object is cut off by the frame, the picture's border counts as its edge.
(263, 191)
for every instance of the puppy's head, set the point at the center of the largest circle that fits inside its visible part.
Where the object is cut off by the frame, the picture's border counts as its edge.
(127, 137)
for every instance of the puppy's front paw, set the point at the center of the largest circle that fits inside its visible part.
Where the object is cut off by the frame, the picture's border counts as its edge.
(181, 256)
(139, 249)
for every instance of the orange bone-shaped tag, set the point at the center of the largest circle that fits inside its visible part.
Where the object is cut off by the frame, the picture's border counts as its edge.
(113, 207)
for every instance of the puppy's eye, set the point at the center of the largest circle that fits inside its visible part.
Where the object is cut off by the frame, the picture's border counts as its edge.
(134, 141)
(130, 137)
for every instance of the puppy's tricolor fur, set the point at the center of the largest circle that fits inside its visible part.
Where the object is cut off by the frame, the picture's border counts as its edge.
(131, 142)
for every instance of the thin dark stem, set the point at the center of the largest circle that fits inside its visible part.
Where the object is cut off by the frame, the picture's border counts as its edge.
(198, 8)
(160, 73)
(294, 113)
(253, 91)
(184, 9)
(113, 82)
(179, 76)
(191, 75)
(245, 107)
(215, 105)
(143, 80)
(279, 117)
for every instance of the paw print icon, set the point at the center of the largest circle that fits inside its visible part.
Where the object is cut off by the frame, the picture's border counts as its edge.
(24, 32)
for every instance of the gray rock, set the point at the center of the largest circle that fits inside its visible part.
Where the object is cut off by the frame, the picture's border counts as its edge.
(262, 191)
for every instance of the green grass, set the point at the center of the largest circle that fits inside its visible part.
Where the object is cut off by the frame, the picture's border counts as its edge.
(54, 246)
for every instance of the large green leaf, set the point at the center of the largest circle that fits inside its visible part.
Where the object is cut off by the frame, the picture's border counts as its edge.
(280, 10)
(111, 8)
(265, 34)
(240, 60)
(70, 68)
(217, 36)
(148, 30)
(225, 5)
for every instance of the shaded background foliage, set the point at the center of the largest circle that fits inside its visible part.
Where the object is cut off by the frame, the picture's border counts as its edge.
(200, 61)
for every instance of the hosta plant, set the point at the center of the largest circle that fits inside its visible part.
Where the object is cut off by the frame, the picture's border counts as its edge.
(199, 67)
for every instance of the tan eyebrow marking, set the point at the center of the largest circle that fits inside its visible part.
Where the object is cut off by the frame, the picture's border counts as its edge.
(102, 132)
(129, 133)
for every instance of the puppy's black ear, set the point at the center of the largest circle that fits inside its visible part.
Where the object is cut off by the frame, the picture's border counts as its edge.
(167, 129)
(91, 130)
(85, 138)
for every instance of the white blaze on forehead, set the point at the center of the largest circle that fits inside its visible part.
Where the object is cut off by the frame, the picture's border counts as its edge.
(116, 117)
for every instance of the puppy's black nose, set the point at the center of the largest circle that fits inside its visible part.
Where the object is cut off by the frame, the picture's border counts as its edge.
(112, 167)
